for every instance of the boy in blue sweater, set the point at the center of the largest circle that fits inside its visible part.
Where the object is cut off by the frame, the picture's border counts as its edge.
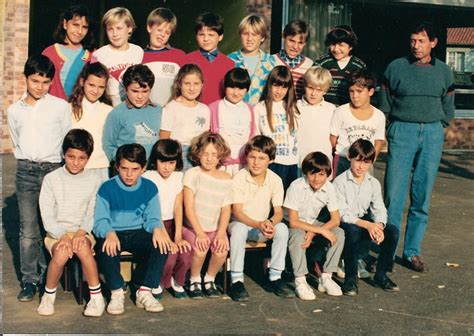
(136, 120)
(128, 217)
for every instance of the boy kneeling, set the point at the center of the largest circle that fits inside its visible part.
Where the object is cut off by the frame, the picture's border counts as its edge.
(128, 217)
(364, 217)
(67, 200)
(305, 199)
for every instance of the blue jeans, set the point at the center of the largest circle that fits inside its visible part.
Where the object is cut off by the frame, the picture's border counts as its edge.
(29, 176)
(418, 148)
(355, 235)
(150, 260)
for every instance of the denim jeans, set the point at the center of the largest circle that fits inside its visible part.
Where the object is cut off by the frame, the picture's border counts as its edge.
(355, 235)
(418, 148)
(287, 173)
(29, 176)
(150, 260)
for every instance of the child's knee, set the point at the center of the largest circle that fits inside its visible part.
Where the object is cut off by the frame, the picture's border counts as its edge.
(281, 232)
(220, 255)
(84, 253)
(296, 237)
(238, 231)
(60, 257)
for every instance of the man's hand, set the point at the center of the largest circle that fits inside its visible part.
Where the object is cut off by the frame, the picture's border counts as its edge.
(112, 244)
(163, 242)
(65, 245)
(221, 242)
(79, 240)
(308, 238)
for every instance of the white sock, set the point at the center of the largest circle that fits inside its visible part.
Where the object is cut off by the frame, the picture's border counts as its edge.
(157, 290)
(208, 278)
(176, 287)
(196, 280)
(51, 292)
(300, 280)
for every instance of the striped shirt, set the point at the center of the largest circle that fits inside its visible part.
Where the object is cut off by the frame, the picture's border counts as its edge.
(297, 72)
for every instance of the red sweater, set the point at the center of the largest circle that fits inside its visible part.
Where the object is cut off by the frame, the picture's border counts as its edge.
(53, 52)
(213, 72)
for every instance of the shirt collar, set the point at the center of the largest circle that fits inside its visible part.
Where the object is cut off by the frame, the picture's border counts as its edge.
(412, 60)
(292, 62)
(308, 187)
(250, 179)
(131, 106)
(165, 48)
(232, 105)
(23, 99)
(351, 177)
(305, 102)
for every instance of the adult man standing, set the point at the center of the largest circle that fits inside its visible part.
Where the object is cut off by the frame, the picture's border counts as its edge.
(418, 99)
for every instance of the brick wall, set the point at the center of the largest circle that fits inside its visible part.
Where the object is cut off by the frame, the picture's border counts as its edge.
(460, 134)
(14, 18)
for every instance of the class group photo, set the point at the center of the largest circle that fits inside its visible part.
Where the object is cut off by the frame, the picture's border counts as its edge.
(251, 167)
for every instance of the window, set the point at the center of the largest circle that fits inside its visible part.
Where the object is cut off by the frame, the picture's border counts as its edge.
(456, 60)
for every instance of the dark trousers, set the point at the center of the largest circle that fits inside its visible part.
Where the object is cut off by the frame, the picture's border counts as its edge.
(150, 261)
(355, 235)
(287, 173)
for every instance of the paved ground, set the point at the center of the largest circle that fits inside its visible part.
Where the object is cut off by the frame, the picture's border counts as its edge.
(440, 302)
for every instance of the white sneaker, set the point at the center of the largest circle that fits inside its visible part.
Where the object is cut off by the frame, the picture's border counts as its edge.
(305, 292)
(96, 306)
(116, 304)
(145, 299)
(329, 286)
(340, 270)
(46, 307)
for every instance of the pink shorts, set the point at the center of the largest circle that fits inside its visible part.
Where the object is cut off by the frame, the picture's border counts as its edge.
(190, 237)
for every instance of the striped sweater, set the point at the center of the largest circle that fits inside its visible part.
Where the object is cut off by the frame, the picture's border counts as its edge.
(297, 72)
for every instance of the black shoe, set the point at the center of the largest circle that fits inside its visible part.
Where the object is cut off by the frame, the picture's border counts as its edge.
(281, 289)
(415, 264)
(349, 287)
(211, 291)
(27, 292)
(386, 284)
(195, 291)
(238, 292)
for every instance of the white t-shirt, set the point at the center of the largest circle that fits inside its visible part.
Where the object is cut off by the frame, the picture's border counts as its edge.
(234, 125)
(116, 63)
(167, 189)
(285, 139)
(314, 124)
(348, 128)
(185, 122)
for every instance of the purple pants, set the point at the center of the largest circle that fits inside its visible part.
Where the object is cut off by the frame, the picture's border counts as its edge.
(177, 265)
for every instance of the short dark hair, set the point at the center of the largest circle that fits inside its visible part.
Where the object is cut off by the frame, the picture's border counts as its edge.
(363, 78)
(78, 139)
(88, 42)
(166, 150)
(296, 27)
(39, 64)
(427, 27)
(316, 162)
(263, 144)
(131, 152)
(341, 34)
(237, 77)
(140, 74)
(362, 150)
(210, 20)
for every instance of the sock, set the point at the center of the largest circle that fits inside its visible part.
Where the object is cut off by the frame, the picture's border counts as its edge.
(176, 287)
(274, 274)
(208, 278)
(144, 289)
(325, 276)
(95, 290)
(157, 290)
(196, 280)
(300, 280)
(51, 292)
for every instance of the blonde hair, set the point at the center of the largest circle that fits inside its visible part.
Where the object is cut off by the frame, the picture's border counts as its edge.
(318, 76)
(256, 23)
(117, 14)
(200, 142)
(161, 15)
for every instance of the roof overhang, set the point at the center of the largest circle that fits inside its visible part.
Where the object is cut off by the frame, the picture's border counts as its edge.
(451, 3)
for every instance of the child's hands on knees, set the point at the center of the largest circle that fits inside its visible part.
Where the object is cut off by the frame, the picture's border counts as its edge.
(182, 245)
(65, 245)
(267, 229)
(308, 238)
(112, 244)
(79, 240)
(202, 241)
(220, 242)
(162, 241)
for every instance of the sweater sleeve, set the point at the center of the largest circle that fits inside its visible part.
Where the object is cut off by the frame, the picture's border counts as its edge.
(49, 209)
(102, 219)
(152, 214)
(88, 221)
(386, 99)
(447, 99)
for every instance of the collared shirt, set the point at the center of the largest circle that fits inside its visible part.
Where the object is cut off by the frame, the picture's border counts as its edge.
(291, 62)
(314, 123)
(209, 55)
(301, 197)
(357, 200)
(257, 200)
(37, 132)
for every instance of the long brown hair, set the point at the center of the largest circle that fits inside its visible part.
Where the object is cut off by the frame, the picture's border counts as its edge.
(96, 69)
(281, 76)
(187, 69)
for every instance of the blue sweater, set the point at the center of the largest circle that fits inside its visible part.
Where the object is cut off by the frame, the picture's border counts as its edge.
(120, 207)
(125, 125)
(418, 93)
